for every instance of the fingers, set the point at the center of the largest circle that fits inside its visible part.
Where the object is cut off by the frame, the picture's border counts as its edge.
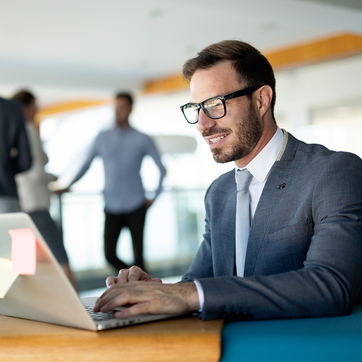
(125, 276)
(111, 281)
(132, 274)
(122, 276)
(149, 203)
(118, 295)
(136, 309)
(153, 298)
(135, 274)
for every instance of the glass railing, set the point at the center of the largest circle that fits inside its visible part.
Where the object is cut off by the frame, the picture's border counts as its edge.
(173, 232)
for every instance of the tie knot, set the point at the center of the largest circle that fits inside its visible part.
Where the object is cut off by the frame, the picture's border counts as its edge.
(243, 179)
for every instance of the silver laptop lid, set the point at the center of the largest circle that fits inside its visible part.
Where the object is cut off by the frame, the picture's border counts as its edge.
(46, 296)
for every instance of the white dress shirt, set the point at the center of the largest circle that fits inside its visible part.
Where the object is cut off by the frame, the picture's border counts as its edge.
(32, 184)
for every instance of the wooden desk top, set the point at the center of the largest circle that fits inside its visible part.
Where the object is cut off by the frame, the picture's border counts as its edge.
(177, 339)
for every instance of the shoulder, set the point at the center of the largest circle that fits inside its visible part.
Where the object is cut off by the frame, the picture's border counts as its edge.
(9, 106)
(143, 138)
(5, 102)
(317, 157)
(105, 134)
(316, 170)
(223, 184)
(225, 177)
(137, 133)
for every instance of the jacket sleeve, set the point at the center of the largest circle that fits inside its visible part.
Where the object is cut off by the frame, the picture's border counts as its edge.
(22, 155)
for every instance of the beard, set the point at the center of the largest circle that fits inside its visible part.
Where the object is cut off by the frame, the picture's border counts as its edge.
(248, 134)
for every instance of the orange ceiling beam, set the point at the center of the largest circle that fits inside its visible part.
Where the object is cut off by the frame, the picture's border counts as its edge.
(68, 106)
(320, 50)
(166, 84)
(317, 51)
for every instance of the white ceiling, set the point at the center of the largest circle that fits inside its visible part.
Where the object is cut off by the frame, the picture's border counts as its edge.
(103, 45)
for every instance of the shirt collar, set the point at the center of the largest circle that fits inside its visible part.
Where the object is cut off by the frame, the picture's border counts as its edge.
(260, 166)
(121, 129)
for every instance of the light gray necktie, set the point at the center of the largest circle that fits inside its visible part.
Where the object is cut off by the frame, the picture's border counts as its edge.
(243, 179)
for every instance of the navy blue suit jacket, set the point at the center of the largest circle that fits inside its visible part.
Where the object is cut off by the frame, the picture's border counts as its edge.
(304, 255)
(15, 154)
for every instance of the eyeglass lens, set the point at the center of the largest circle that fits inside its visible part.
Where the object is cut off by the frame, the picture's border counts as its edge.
(213, 108)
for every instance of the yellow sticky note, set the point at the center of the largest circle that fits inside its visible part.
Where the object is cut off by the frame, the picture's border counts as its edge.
(23, 251)
(7, 276)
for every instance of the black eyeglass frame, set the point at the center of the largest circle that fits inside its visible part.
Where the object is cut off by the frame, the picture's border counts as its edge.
(239, 93)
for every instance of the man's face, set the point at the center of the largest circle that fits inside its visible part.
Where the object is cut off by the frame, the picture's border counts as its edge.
(236, 134)
(122, 111)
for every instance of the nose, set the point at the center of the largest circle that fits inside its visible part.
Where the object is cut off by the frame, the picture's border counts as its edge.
(204, 122)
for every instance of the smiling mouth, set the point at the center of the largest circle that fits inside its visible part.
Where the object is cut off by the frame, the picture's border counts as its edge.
(216, 139)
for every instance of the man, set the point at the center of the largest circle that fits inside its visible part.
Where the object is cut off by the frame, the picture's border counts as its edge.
(304, 248)
(122, 150)
(34, 194)
(15, 154)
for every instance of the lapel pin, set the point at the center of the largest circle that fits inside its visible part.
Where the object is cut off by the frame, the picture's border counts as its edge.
(281, 186)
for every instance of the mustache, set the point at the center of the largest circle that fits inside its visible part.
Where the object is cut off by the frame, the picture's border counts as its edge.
(215, 130)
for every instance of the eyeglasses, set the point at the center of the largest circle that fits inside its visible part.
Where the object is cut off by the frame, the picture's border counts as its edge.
(214, 107)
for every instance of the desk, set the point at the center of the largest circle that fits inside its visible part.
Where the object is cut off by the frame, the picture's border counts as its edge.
(299, 340)
(188, 339)
(177, 339)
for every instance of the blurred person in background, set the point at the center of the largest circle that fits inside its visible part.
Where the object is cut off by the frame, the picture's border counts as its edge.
(15, 153)
(34, 194)
(122, 149)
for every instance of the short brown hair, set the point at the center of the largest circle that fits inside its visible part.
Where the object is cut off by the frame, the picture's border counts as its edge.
(24, 97)
(248, 62)
(126, 95)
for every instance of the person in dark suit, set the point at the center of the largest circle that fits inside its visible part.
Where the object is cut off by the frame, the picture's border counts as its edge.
(304, 248)
(15, 153)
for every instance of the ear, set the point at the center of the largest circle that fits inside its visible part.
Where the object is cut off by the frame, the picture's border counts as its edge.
(263, 97)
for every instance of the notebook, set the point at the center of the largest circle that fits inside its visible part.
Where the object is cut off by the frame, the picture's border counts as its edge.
(47, 296)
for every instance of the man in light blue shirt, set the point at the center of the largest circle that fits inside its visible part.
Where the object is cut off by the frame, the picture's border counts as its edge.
(122, 150)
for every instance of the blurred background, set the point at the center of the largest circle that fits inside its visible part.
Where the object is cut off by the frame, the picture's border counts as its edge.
(75, 54)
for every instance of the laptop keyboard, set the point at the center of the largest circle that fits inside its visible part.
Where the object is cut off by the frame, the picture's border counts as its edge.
(99, 316)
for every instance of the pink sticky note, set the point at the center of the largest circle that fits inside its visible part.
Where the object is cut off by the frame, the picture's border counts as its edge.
(23, 251)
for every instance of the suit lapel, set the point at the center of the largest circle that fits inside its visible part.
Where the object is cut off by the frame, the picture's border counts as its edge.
(274, 189)
(227, 227)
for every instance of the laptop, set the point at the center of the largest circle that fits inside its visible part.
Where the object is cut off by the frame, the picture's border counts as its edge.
(47, 296)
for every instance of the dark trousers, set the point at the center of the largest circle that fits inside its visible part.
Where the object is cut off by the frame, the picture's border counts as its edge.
(114, 223)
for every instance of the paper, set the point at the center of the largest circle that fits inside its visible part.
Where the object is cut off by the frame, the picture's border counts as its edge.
(7, 276)
(23, 251)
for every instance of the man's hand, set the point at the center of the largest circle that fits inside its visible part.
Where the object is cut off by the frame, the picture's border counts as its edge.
(149, 203)
(58, 187)
(132, 274)
(142, 297)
